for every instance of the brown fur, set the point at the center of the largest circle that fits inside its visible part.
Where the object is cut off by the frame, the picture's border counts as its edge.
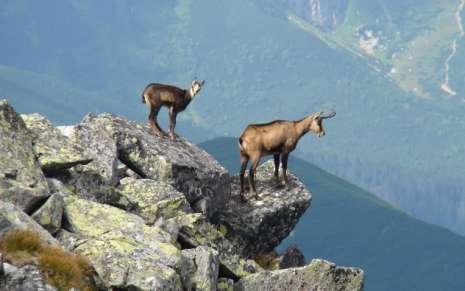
(278, 138)
(176, 99)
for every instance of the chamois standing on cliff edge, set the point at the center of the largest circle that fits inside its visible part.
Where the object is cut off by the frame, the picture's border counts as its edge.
(176, 99)
(278, 138)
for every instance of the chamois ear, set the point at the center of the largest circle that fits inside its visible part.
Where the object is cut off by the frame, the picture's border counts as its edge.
(202, 82)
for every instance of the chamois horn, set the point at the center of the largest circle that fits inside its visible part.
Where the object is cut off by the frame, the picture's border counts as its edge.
(328, 115)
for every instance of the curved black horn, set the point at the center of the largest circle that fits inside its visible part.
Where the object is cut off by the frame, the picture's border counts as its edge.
(328, 115)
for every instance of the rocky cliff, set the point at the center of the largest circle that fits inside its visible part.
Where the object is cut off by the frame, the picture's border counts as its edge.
(326, 14)
(142, 213)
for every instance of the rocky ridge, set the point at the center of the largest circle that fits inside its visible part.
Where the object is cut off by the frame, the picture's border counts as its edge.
(149, 214)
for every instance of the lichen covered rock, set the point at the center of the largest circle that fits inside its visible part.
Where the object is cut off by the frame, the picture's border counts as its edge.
(96, 180)
(25, 278)
(12, 217)
(124, 251)
(21, 179)
(225, 284)
(124, 261)
(318, 275)
(202, 273)
(53, 150)
(49, 215)
(192, 171)
(195, 230)
(152, 199)
(259, 226)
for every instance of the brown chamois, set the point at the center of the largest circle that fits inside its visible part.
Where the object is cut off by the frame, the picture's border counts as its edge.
(278, 138)
(176, 99)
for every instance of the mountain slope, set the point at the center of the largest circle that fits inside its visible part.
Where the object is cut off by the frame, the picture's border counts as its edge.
(411, 41)
(348, 225)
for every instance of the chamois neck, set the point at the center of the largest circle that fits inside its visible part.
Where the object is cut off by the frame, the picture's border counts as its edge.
(189, 94)
(302, 126)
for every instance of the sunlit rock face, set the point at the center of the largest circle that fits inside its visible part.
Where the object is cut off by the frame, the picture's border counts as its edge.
(258, 226)
(327, 14)
(22, 181)
(318, 275)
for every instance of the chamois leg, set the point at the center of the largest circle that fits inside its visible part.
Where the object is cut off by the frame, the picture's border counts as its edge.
(153, 121)
(276, 168)
(252, 171)
(173, 114)
(244, 162)
(284, 158)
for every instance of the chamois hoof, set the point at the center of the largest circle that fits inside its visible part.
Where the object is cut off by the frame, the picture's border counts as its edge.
(243, 199)
(173, 137)
(162, 135)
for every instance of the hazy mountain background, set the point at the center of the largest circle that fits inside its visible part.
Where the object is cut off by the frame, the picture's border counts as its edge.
(351, 226)
(392, 69)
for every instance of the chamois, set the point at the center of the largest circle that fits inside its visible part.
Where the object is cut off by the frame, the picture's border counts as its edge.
(176, 99)
(278, 138)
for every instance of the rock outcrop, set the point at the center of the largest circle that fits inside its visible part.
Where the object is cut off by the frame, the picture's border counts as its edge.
(318, 275)
(22, 181)
(192, 171)
(53, 150)
(148, 213)
(12, 217)
(202, 270)
(49, 215)
(123, 249)
(195, 230)
(326, 14)
(152, 199)
(97, 179)
(258, 226)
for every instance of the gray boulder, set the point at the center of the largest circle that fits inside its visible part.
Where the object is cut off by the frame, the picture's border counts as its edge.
(57, 187)
(202, 272)
(11, 217)
(257, 227)
(125, 252)
(49, 215)
(151, 199)
(195, 230)
(25, 278)
(318, 275)
(96, 180)
(192, 171)
(68, 240)
(21, 179)
(53, 150)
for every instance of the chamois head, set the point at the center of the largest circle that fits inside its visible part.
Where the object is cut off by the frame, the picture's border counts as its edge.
(316, 125)
(195, 87)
